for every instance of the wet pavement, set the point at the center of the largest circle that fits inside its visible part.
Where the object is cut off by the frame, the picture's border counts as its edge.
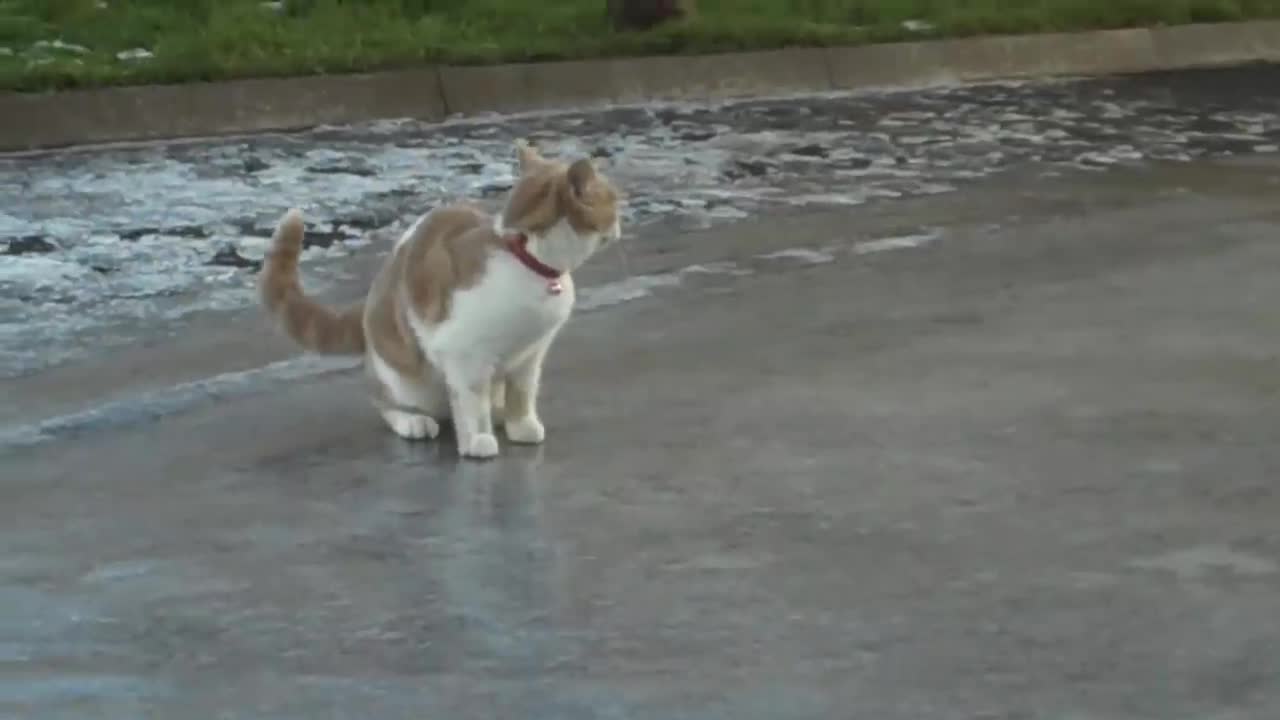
(99, 248)
(1003, 451)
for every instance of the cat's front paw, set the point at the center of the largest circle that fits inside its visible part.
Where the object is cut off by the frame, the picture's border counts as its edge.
(527, 431)
(482, 446)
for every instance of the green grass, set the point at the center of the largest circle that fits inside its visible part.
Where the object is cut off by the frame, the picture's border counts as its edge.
(214, 39)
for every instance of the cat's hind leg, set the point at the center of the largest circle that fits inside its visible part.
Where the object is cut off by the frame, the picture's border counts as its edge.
(407, 404)
(411, 426)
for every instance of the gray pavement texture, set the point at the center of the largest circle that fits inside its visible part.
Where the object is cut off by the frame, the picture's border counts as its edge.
(1027, 470)
(1001, 452)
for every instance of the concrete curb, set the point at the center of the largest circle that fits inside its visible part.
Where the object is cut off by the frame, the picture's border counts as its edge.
(39, 121)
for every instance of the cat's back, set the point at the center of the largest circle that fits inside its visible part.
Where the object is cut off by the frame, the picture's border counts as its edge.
(438, 251)
(454, 240)
(442, 226)
(446, 250)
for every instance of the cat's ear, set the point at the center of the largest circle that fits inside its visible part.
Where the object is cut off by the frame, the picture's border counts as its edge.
(527, 156)
(581, 174)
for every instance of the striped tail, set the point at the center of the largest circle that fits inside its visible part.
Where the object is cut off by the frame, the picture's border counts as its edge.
(310, 324)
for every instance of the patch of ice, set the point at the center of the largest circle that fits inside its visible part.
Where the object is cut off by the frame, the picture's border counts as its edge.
(633, 288)
(716, 268)
(30, 273)
(166, 210)
(932, 188)
(849, 198)
(726, 212)
(640, 286)
(902, 242)
(159, 403)
(805, 255)
(1095, 159)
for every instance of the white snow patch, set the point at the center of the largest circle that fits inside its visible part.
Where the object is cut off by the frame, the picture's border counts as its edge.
(804, 255)
(30, 273)
(716, 268)
(849, 198)
(687, 164)
(902, 242)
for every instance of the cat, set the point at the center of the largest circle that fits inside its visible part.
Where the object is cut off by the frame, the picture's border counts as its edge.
(459, 319)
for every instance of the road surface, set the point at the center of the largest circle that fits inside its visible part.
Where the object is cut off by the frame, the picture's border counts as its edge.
(1006, 451)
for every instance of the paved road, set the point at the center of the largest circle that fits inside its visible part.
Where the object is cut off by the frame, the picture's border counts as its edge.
(100, 248)
(1007, 452)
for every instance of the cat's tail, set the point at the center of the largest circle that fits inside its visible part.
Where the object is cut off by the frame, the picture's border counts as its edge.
(310, 324)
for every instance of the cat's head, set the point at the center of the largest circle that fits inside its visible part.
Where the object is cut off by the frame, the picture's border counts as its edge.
(563, 203)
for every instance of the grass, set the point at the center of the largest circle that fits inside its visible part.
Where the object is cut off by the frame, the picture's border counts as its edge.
(193, 40)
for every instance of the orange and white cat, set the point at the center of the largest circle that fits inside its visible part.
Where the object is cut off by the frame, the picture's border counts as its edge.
(459, 319)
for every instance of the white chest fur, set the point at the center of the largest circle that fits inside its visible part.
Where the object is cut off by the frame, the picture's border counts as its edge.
(504, 315)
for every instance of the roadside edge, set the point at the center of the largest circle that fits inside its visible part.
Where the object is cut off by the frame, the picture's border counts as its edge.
(36, 121)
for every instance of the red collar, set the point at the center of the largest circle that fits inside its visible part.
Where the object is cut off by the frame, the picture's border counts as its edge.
(518, 244)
